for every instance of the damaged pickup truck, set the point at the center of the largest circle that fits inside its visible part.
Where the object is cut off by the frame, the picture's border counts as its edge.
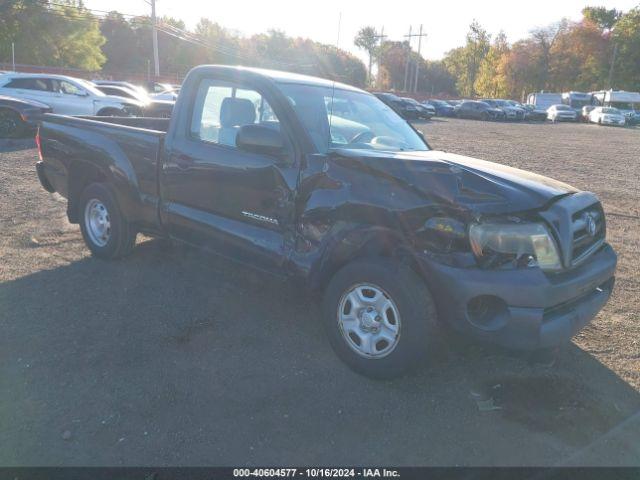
(323, 183)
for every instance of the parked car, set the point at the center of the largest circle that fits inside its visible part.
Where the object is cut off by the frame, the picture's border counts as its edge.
(117, 83)
(584, 113)
(533, 114)
(425, 112)
(170, 95)
(442, 108)
(394, 236)
(150, 106)
(402, 108)
(18, 116)
(510, 112)
(66, 95)
(163, 91)
(607, 116)
(478, 111)
(560, 113)
(576, 100)
(627, 102)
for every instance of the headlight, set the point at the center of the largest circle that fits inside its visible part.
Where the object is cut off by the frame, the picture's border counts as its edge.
(523, 244)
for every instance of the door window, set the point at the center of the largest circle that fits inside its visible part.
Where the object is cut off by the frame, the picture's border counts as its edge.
(62, 86)
(221, 109)
(29, 84)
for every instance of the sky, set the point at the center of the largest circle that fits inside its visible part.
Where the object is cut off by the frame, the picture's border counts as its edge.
(444, 22)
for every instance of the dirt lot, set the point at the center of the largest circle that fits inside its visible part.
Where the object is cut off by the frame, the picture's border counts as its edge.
(169, 357)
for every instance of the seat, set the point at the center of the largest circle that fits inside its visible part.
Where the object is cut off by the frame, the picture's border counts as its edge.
(234, 113)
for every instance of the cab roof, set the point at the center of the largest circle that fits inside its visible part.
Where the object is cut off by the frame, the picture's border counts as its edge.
(278, 76)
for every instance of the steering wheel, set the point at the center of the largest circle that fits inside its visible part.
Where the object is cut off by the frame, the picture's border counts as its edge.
(363, 137)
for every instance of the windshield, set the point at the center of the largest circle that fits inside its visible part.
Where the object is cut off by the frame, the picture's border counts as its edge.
(561, 107)
(89, 86)
(359, 120)
(611, 110)
(622, 105)
(575, 103)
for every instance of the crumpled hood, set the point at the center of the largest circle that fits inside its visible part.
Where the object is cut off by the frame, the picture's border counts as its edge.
(481, 186)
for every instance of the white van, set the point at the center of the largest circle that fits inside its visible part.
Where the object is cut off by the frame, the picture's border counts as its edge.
(544, 100)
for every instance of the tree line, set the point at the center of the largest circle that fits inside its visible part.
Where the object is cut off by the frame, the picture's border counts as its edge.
(602, 50)
(64, 33)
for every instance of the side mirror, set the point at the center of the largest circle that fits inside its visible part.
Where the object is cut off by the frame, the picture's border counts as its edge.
(260, 139)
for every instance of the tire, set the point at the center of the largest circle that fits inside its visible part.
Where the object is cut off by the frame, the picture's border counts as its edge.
(11, 124)
(104, 229)
(409, 318)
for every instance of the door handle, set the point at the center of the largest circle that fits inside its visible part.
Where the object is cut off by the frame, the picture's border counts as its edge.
(184, 161)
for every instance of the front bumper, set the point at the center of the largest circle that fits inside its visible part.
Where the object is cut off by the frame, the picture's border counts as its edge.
(529, 310)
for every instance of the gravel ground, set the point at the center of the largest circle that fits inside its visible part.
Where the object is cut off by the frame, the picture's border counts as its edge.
(169, 357)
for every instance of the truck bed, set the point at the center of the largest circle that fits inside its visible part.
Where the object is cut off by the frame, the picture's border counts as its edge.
(124, 149)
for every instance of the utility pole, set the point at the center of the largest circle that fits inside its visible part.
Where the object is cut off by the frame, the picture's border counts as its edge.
(156, 59)
(420, 35)
(406, 68)
(613, 62)
(381, 38)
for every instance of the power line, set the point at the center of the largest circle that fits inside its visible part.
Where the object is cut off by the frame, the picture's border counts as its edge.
(84, 14)
(85, 9)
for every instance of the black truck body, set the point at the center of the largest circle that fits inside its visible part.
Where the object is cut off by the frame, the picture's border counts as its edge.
(300, 210)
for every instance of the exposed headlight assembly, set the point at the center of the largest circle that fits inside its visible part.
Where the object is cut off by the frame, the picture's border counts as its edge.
(518, 244)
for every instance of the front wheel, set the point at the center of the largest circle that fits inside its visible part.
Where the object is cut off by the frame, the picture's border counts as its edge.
(380, 317)
(105, 230)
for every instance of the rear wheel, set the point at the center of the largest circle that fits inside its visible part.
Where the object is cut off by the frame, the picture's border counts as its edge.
(11, 124)
(380, 317)
(105, 230)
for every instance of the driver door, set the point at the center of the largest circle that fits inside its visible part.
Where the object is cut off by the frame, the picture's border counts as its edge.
(71, 99)
(236, 203)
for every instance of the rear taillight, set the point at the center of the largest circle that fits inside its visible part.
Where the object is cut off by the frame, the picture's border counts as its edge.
(38, 144)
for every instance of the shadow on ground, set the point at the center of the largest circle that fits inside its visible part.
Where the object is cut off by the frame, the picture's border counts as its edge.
(173, 357)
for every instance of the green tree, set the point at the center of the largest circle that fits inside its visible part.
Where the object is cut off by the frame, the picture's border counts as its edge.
(491, 80)
(60, 34)
(626, 34)
(604, 17)
(464, 62)
(121, 47)
(367, 40)
(393, 55)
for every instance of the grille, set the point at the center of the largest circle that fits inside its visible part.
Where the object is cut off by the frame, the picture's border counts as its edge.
(589, 231)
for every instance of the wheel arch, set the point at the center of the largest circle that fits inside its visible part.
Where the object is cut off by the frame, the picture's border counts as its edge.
(81, 175)
(357, 243)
